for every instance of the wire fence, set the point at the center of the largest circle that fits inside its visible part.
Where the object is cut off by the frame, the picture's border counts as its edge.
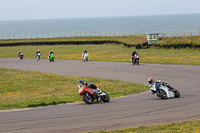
(87, 34)
(177, 34)
(69, 34)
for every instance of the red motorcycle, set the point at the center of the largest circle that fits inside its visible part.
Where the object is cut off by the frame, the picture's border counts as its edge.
(135, 59)
(91, 95)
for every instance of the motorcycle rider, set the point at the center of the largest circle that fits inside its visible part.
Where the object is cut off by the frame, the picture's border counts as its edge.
(20, 52)
(84, 53)
(80, 83)
(38, 51)
(51, 53)
(90, 85)
(157, 83)
(154, 84)
(134, 54)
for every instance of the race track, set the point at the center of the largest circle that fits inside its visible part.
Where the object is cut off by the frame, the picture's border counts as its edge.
(131, 111)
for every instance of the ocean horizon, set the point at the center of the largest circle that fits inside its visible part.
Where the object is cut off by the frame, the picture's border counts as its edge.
(13, 29)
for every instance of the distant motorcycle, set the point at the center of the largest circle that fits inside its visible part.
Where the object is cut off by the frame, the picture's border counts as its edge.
(85, 57)
(38, 56)
(51, 58)
(88, 94)
(21, 56)
(135, 59)
(164, 92)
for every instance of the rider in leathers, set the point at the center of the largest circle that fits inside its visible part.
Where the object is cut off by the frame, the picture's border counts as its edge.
(133, 55)
(50, 53)
(157, 84)
(84, 52)
(38, 51)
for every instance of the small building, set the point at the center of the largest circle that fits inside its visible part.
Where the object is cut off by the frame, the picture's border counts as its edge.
(152, 37)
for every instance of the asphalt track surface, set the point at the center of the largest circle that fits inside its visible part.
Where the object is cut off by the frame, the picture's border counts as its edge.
(131, 111)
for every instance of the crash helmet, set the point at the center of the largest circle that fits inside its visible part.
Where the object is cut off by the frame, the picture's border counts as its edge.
(150, 80)
(85, 51)
(85, 84)
(81, 82)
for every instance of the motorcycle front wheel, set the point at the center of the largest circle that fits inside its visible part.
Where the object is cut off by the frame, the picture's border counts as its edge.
(177, 93)
(161, 93)
(105, 98)
(87, 98)
(137, 62)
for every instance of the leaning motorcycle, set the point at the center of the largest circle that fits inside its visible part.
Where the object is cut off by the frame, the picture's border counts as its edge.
(135, 59)
(91, 96)
(51, 58)
(164, 92)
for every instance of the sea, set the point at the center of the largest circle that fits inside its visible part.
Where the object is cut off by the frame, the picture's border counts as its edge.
(14, 29)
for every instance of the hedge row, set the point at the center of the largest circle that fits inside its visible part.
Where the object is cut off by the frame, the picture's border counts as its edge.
(139, 45)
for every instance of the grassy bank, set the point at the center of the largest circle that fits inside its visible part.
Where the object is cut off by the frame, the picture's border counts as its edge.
(20, 89)
(183, 127)
(131, 40)
(111, 53)
(182, 40)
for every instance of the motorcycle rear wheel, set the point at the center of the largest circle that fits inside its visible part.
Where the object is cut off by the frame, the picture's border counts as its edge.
(105, 98)
(87, 98)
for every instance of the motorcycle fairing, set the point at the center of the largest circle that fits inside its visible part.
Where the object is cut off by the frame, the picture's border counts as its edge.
(83, 89)
(170, 94)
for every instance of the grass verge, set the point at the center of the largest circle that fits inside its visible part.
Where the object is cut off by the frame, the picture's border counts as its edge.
(183, 127)
(110, 53)
(21, 89)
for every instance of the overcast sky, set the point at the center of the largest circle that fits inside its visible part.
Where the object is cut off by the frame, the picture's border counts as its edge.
(51, 9)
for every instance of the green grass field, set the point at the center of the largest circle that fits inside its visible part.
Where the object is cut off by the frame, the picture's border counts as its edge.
(183, 127)
(110, 53)
(21, 89)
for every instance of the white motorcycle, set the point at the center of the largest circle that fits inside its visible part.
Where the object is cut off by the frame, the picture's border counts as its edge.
(38, 56)
(164, 92)
(85, 57)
